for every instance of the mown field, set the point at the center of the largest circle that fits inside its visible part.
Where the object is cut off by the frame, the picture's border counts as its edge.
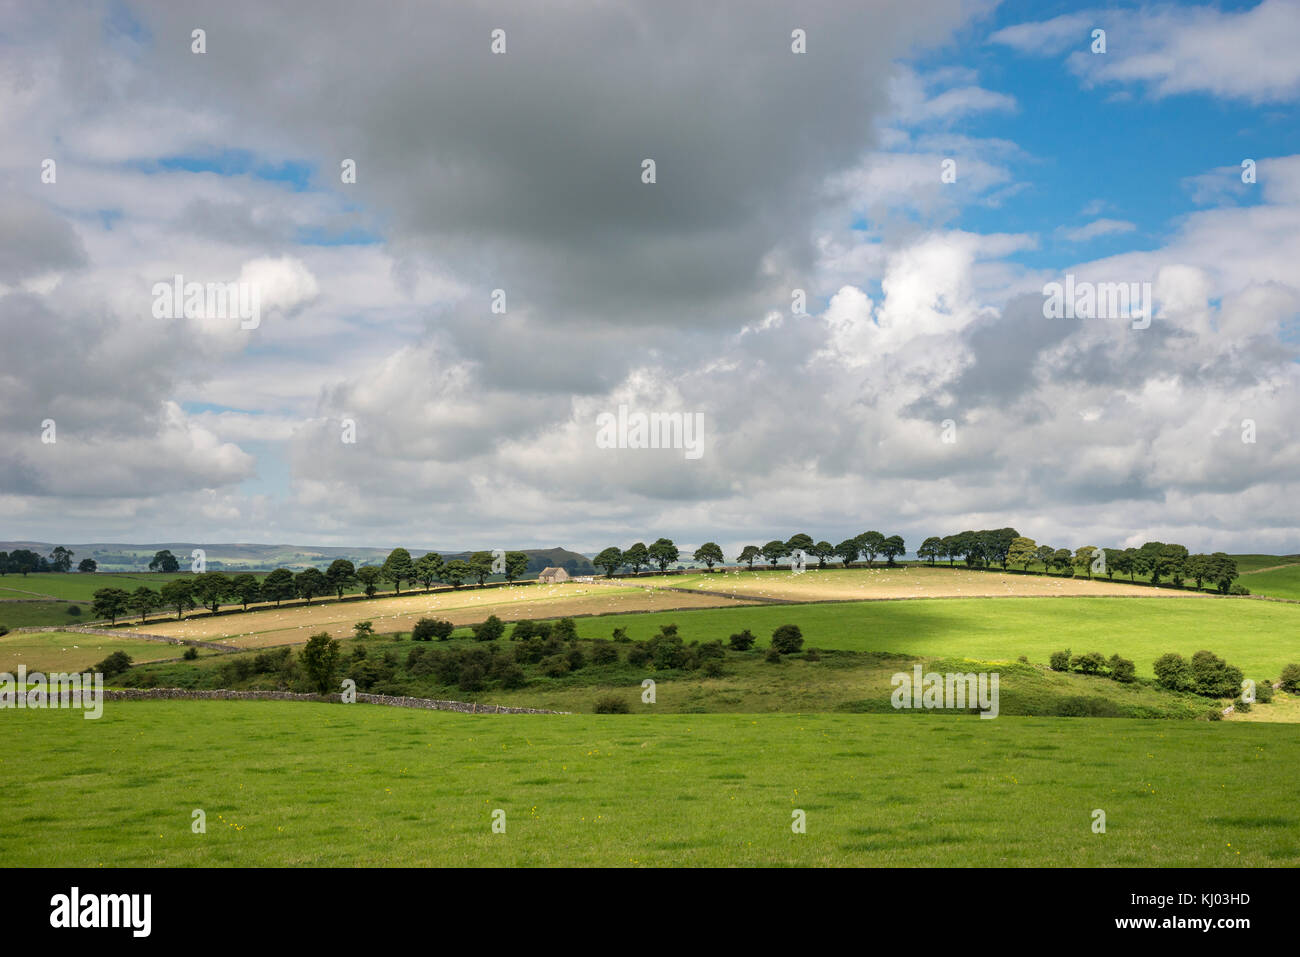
(328, 785)
(73, 651)
(1277, 582)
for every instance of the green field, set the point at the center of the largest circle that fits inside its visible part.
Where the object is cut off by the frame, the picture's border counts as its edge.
(73, 651)
(304, 784)
(1259, 637)
(1276, 582)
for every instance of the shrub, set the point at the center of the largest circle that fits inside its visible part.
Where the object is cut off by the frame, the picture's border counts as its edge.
(114, 664)
(639, 654)
(541, 630)
(742, 641)
(471, 677)
(1214, 714)
(523, 630)
(4, 629)
(1241, 705)
(273, 660)
(512, 676)
(620, 635)
(364, 629)
(1060, 660)
(611, 704)
(713, 668)
(1264, 691)
(190, 653)
(489, 630)
(1091, 663)
(1214, 677)
(556, 666)
(576, 658)
(787, 639)
(1291, 678)
(1122, 670)
(427, 629)
(1083, 706)
(1173, 672)
(603, 653)
(74, 610)
(1239, 590)
(320, 660)
(565, 630)
(812, 654)
(446, 667)
(667, 652)
(772, 656)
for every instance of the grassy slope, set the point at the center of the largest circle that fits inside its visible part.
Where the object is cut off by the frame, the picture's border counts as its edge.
(1278, 582)
(1259, 637)
(73, 651)
(303, 784)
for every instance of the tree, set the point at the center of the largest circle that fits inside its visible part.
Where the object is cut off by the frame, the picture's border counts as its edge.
(1062, 559)
(480, 564)
(61, 559)
(892, 547)
(950, 549)
(311, 582)
(398, 568)
(710, 553)
(847, 551)
(164, 561)
(278, 586)
(489, 629)
(87, 565)
(1214, 677)
(1044, 556)
(611, 559)
(24, 560)
(4, 563)
(144, 600)
(1083, 556)
(871, 544)
(427, 568)
(209, 588)
(1022, 551)
(931, 548)
(1173, 672)
(178, 594)
(246, 588)
(456, 571)
(823, 551)
(995, 545)
(341, 575)
(787, 639)
(775, 550)
(1223, 569)
(1160, 560)
(801, 542)
(637, 557)
(663, 553)
(1112, 561)
(368, 577)
(320, 660)
(516, 565)
(749, 554)
(1125, 563)
(111, 603)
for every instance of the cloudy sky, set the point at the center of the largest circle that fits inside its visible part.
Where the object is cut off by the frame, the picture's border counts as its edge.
(920, 173)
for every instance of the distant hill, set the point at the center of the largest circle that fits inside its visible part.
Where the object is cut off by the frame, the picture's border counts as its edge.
(118, 557)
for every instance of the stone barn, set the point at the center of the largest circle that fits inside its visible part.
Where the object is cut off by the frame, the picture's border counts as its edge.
(549, 576)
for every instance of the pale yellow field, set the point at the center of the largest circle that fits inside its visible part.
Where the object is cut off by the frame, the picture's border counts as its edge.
(908, 581)
(278, 626)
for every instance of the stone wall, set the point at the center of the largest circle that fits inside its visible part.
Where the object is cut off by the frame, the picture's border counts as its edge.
(182, 694)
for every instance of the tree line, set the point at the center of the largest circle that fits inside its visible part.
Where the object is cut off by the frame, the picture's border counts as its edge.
(870, 545)
(21, 561)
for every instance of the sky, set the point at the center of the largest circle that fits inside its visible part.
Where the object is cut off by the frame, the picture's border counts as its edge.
(839, 269)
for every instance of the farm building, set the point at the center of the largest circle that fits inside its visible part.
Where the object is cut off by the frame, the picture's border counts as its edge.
(552, 575)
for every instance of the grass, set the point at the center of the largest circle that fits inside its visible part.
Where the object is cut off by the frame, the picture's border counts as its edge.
(332, 785)
(22, 614)
(1258, 637)
(1276, 583)
(73, 651)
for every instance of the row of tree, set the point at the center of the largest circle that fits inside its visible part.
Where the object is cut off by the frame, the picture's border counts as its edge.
(21, 561)
(212, 589)
(868, 545)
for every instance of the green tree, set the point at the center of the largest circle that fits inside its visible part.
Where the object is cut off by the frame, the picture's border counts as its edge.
(210, 588)
(111, 603)
(1062, 559)
(1083, 556)
(611, 559)
(710, 553)
(516, 565)
(144, 600)
(278, 586)
(87, 565)
(1125, 563)
(341, 575)
(480, 564)
(427, 569)
(749, 554)
(61, 559)
(1222, 571)
(802, 542)
(775, 550)
(24, 560)
(320, 661)
(311, 582)
(246, 588)
(1173, 673)
(871, 544)
(178, 594)
(787, 639)
(164, 561)
(368, 577)
(398, 568)
(892, 547)
(456, 571)
(1022, 551)
(663, 553)
(847, 551)
(931, 548)
(823, 551)
(637, 557)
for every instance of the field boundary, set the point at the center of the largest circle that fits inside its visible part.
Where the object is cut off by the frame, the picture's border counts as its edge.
(394, 701)
(164, 639)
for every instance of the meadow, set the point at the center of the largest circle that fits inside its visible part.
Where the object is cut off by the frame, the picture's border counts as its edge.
(288, 784)
(74, 651)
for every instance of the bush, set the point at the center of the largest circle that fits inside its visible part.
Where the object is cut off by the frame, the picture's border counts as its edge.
(556, 666)
(713, 668)
(363, 629)
(1264, 691)
(639, 654)
(1214, 677)
(512, 676)
(190, 653)
(812, 654)
(1173, 673)
(620, 635)
(1238, 590)
(471, 677)
(1241, 705)
(74, 610)
(271, 661)
(1091, 663)
(522, 631)
(114, 664)
(1291, 678)
(1214, 714)
(1060, 660)
(742, 641)
(565, 630)
(575, 658)
(772, 656)
(489, 630)
(427, 629)
(787, 639)
(4, 629)
(603, 653)
(611, 704)
(1122, 670)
